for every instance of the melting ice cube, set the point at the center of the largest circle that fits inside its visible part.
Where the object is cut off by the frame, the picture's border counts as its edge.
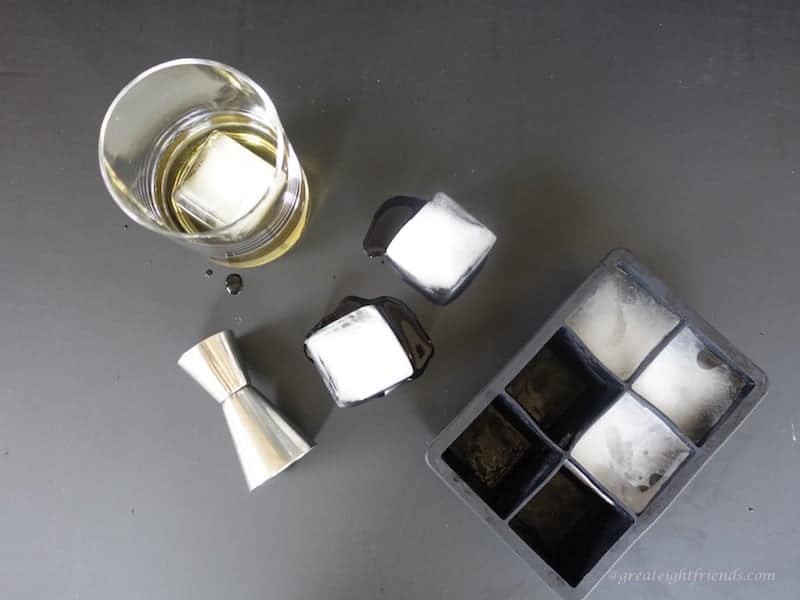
(440, 247)
(689, 384)
(359, 356)
(621, 323)
(225, 182)
(631, 452)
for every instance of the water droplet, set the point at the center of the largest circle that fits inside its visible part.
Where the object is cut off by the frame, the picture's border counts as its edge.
(209, 273)
(234, 284)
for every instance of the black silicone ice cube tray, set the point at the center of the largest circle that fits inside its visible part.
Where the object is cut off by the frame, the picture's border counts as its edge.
(588, 434)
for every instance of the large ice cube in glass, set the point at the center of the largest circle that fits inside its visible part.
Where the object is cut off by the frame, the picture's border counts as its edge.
(226, 181)
(690, 385)
(437, 246)
(366, 348)
(621, 323)
(631, 452)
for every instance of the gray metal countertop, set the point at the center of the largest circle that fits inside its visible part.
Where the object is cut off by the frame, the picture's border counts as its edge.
(568, 127)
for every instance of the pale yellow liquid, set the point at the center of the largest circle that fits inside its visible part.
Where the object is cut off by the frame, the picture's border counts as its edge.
(174, 166)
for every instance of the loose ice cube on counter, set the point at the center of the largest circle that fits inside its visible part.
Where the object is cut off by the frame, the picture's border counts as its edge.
(690, 385)
(631, 452)
(225, 182)
(437, 246)
(359, 353)
(621, 323)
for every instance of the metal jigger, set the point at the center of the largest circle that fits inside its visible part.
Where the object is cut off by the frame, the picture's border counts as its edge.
(265, 441)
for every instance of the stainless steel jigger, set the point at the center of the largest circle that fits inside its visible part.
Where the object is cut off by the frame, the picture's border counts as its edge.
(265, 441)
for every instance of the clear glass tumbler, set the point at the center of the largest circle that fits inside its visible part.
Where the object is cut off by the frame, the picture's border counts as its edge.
(241, 198)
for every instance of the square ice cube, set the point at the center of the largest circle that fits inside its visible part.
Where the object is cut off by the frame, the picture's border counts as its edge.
(621, 323)
(225, 182)
(440, 247)
(690, 385)
(359, 356)
(631, 452)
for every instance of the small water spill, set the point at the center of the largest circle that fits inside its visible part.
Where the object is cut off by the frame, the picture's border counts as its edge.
(234, 284)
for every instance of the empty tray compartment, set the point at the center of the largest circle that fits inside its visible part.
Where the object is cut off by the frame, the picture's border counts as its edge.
(631, 452)
(621, 322)
(570, 524)
(692, 385)
(501, 457)
(563, 388)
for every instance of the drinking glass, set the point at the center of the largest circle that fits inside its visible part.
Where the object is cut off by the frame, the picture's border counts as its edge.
(150, 140)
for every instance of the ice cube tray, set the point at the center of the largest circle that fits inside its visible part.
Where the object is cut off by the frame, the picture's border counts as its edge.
(511, 452)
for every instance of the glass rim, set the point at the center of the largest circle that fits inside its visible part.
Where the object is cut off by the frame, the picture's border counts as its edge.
(211, 235)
